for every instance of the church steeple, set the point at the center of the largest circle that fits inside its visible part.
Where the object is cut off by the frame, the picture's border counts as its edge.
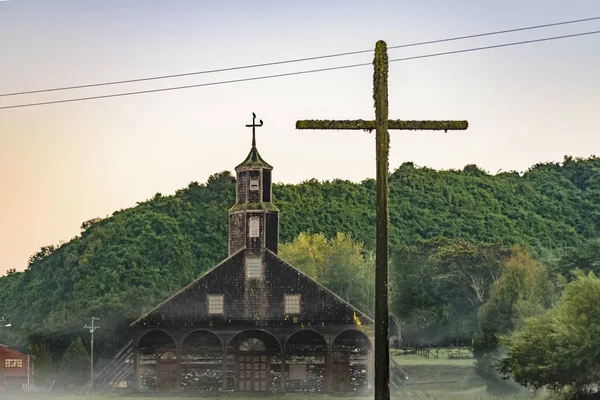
(254, 219)
(254, 159)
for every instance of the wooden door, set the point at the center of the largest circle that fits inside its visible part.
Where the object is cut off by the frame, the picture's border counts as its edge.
(340, 371)
(167, 373)
(253, 372)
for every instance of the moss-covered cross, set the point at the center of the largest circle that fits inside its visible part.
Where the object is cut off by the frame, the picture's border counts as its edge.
(381, 124)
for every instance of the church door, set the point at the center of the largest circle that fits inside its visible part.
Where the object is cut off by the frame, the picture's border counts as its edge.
(340, 371)
(167, 372)
(253, 367)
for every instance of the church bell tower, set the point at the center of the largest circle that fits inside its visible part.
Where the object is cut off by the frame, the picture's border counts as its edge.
(254, 219)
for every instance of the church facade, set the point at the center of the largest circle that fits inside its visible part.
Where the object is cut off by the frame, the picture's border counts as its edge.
(253, 323)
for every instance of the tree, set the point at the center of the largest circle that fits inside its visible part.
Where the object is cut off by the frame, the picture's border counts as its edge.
(128, 262)
(41, 360)
(341, 264)
(586, 257)
(307, 252)
(75, 364)
(439, 284)
(523, 290)
(559, 349)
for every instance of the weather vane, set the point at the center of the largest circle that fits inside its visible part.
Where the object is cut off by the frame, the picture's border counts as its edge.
(254, 126)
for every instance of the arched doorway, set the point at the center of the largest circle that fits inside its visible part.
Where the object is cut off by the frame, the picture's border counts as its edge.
(158, 369)
(257, 365)
(350, 362)
(201, 362)
(305, 354)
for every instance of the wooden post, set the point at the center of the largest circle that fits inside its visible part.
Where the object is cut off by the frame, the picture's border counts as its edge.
(282, 373)
(328, 371)
(381, 125)
(179, 368)
(382, 140)
(224, 387)
(136, 369)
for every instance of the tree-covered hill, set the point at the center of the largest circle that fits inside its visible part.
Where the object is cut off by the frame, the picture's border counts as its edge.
(122, 265)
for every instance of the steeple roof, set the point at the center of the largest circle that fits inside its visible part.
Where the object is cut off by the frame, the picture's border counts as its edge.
(254, 160)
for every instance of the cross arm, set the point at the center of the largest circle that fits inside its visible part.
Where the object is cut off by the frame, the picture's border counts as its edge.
(397, 124)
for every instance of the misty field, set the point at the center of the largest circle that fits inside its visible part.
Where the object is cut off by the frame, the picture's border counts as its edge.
(476, 394)
(428, 378)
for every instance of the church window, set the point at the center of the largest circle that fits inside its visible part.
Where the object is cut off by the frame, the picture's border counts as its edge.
(297, 372)
(252, 344)
(13, 363)
(254, 184)
(168, 355)
(291, 303)
(254, 227)
(253, 268)
(215, 303)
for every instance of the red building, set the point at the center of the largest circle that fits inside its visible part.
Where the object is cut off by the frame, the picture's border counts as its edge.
(13, 368)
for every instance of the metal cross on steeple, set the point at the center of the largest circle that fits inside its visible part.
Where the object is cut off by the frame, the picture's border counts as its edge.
(254, 126)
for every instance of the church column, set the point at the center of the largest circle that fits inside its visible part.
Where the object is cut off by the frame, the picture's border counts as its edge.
(136, 368)
(224, 371)
(283, 376)
(178, 347)
(328, 371)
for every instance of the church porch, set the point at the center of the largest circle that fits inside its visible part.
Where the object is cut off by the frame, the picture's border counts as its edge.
(255, 359)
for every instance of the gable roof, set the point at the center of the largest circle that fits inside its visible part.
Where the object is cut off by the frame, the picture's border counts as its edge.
(322, 287)
(10, 349)
(189, 305)
(192, 284)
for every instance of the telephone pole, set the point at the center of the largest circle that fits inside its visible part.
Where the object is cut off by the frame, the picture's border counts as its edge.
(92, 328)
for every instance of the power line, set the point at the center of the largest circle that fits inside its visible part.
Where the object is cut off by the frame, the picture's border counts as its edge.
(297, 72)
(212, 71)
(496, 46)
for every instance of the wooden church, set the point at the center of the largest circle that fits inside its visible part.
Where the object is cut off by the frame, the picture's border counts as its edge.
(253, 323)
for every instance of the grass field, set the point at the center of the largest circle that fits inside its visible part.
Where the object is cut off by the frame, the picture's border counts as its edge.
(416, 359)
(475, 394)
(444, 377)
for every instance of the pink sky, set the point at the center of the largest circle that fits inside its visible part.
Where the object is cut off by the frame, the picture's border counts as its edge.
(63, 164)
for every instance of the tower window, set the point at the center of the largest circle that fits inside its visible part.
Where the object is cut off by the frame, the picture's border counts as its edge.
(291, 303)
(253, 268)
(254, 227)
(215, 303)
(266, 186)
(254, 184)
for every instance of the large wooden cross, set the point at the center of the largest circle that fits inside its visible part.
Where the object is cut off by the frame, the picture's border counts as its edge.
(381, 124)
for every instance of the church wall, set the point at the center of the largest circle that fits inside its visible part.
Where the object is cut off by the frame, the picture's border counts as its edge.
(254, 243)
(242, 186)
(236, 232)
(272, 233)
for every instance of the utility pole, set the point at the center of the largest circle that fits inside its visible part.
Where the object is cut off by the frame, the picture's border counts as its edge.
(92, 328)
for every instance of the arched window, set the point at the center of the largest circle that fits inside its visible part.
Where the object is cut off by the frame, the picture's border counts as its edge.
(252, 344)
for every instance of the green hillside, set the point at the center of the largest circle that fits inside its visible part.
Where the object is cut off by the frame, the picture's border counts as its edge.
(121, 265)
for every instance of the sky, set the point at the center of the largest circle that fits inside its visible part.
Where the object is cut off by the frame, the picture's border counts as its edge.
(63, 164)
